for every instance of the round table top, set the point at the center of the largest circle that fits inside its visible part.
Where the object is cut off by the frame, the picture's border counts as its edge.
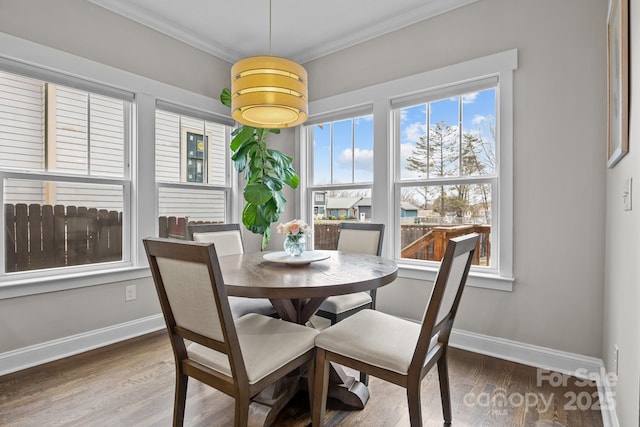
(250, 275)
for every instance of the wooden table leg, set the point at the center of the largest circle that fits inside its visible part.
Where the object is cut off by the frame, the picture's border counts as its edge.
(297, 310)
(346, 388)
(266, 406)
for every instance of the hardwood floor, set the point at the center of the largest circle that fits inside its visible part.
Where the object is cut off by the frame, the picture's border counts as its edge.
(131, 384)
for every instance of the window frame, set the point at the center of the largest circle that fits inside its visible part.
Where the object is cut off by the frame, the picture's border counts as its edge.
(123, 181)
(502, 66)
(455, 90)
(308, 169)
(230, 183)
(30, 59)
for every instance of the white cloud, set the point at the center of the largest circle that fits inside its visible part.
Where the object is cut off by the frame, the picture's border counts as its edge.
(414, 131)
(470, 97)
(405, 152)
(360, 157)
(478, 119)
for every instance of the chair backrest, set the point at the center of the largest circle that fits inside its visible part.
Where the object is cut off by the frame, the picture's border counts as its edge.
(361, 238)
(193, 298)
(227, 237)
(445, 295)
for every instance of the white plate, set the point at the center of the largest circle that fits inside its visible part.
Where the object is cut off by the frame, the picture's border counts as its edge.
(307, 257)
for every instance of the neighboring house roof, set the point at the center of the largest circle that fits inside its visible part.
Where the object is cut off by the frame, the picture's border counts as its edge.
(408, 206)
(342, 202)
(365, 201)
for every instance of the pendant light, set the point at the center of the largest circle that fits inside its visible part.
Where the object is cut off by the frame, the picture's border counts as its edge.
(269, 91)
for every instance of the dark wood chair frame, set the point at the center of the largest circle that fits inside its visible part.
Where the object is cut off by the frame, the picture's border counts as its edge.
(236, 386)
(336, 317)
(423, 358)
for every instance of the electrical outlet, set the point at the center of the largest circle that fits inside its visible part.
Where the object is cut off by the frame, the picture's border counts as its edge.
(626, 194)
(130, 293)
(616, 357)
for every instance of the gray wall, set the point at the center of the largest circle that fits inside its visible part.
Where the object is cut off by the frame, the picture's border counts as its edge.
(622, 270)
(559, 158)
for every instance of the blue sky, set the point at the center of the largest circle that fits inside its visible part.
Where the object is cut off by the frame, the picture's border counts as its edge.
(352, 151)
(353, 139)
(478, 111)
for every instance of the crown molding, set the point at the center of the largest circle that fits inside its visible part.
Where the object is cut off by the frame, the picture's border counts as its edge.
(387, 25)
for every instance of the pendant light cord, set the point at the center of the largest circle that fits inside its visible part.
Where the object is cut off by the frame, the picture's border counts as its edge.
(269, 27)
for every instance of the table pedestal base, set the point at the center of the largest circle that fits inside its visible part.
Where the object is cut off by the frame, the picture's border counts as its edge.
(265, 407)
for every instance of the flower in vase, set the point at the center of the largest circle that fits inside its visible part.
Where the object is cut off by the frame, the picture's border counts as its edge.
(294, 227)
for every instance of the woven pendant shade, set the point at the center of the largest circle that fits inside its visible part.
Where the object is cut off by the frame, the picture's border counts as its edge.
(269, 92)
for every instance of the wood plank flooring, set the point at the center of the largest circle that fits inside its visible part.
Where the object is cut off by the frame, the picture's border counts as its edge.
(131, 384)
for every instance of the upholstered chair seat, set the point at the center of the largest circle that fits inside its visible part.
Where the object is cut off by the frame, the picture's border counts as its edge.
(361, 338)
(266, 345)
(343, 303)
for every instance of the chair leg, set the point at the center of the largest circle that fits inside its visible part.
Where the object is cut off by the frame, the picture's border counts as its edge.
(445, 396)
(320, 388)
(415, 404)
(311, 368)
(180, 399)
(241, 418)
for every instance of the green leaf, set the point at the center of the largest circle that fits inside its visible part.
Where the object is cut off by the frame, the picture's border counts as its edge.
(245, 134)
(280, 201)
(225, 97)
(275, 184)
(250, 219)
(269, 212)
(291, 178)
(265, 238)
(240, 158)
(257, 193)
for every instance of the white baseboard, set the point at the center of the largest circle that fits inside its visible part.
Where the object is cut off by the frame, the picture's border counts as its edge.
(544, 358)
(38, 354)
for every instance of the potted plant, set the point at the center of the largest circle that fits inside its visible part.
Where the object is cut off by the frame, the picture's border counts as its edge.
(266, 171)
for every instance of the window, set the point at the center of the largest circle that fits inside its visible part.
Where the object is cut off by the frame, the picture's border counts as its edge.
(447, 171)
(440, 159)
(340, 173)
(191, 170)
(64, 168)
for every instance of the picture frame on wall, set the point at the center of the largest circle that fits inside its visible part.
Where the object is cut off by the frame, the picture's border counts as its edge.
(617, 81)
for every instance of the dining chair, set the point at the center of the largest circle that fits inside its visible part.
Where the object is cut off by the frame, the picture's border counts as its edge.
(239, 357)
(397, 350)
(228, 240)
(360, 238)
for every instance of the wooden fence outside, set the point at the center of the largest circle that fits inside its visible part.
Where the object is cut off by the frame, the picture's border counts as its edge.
(418, 241)
(46, 236)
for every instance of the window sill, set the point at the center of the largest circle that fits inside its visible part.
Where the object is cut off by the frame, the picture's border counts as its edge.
(475, 279)
(33, 286)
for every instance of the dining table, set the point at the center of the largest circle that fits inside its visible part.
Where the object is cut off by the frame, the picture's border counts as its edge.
(297, 286)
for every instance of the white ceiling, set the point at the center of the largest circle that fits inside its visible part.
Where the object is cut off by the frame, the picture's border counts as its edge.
(302, 30)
